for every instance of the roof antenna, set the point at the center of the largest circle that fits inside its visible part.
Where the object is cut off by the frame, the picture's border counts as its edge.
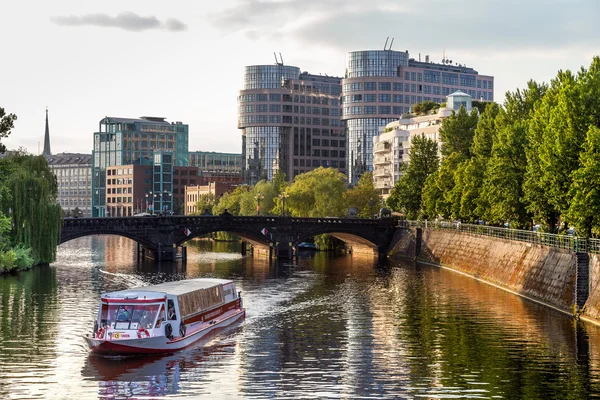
(391, 44)
(276, 60)
(385, 45)
(280, 56)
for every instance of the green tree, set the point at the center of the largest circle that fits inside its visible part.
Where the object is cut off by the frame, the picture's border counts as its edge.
(31, 199)
(317, 193)
(457, 131)
(584, 210)
(205, 203)
(230, 201)
(423, 161)
(6, 124)
(364, 197)
(471, 206)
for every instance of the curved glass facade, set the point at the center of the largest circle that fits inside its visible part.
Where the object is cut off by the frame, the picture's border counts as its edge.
(268, 76)
(360, 133)
(262, 149)
(374, 63)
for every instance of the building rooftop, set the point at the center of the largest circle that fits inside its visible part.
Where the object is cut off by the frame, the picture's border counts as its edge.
(69, 158)
(154, 120)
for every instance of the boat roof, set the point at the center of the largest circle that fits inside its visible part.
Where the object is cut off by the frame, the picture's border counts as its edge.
(174, 288)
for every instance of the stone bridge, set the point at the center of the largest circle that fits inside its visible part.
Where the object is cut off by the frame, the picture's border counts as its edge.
(163, 237)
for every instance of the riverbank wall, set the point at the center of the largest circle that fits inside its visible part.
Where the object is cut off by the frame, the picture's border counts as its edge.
(557, 278)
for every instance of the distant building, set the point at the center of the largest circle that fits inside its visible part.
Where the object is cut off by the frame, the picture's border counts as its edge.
(391, 147)
(127, 141)
(74, 178)
(194, 193)
(133, 189)
(381, 85)
(217, 167)
(290, 121)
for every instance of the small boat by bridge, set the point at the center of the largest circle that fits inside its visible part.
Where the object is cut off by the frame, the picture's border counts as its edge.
(164, 318)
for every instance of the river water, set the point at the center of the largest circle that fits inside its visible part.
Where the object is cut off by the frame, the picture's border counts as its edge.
(322, 326)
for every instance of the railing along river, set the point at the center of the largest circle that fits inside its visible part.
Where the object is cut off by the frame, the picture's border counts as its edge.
(567, 242)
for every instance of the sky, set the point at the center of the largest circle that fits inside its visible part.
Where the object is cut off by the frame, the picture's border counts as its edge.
(184, 59)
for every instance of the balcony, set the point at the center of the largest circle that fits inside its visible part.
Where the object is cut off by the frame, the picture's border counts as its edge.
(382, 161)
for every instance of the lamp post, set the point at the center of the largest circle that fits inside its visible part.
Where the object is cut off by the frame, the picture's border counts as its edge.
(149, 196)
(283, 196)
(258, 198)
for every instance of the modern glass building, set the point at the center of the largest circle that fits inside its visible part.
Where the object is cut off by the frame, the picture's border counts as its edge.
(381, 85)
(128, 141)
(290, 121)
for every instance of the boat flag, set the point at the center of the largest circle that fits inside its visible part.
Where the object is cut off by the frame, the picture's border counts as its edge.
(187, 232)
(264, 231)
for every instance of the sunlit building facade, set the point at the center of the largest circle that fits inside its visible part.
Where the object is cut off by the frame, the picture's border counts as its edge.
(128, 141)
(392, 146)
(290, 121)
(381, 85)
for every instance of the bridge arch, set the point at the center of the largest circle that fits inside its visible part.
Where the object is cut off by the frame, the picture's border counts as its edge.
(345, 235)
(141, 240)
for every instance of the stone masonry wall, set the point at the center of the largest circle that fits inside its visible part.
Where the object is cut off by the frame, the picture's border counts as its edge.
(592, 306)
(542, 273)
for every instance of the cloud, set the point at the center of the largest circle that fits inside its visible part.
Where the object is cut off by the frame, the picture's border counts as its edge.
(128, 21)
(460, 24)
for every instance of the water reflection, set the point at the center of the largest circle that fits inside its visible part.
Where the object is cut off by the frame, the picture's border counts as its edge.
(153, 376)
(323, 325)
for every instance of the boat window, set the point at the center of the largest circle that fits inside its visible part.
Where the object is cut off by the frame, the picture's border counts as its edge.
(124, 316)
(171, 313)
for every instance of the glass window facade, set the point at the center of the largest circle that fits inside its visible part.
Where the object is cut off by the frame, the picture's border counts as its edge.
(268, 76)
(360, 133)
(374, 63)
(128, 141)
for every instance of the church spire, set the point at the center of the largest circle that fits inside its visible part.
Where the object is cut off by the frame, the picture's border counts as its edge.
(47, 138)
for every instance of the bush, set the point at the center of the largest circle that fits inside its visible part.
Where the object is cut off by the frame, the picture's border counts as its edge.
(23, 257)
(7, 260)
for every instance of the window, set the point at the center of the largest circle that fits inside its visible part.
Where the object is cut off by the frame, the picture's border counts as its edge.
(385, 86)
(356, 110)
(384, 98)
(385, 110)
(370, 86)
(370, 98)
(370, 110)
(357, 98)
(275, 97)
(356, 86)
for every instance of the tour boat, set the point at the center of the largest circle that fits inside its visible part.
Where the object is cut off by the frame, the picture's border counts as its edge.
(164, 318)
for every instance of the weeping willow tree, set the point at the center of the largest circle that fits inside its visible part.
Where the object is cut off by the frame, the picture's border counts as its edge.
(30, 198)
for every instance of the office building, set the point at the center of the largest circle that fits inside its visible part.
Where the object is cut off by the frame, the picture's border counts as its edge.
(381, 85)
(133, 189)
(392, 146)
(74, 178)
(127, 141)
(290, 121)
(217, 167)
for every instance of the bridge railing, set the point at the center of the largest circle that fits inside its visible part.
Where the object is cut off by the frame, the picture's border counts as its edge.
(566, 242)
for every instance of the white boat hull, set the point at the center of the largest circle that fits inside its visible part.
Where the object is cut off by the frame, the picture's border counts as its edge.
(162, 344)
